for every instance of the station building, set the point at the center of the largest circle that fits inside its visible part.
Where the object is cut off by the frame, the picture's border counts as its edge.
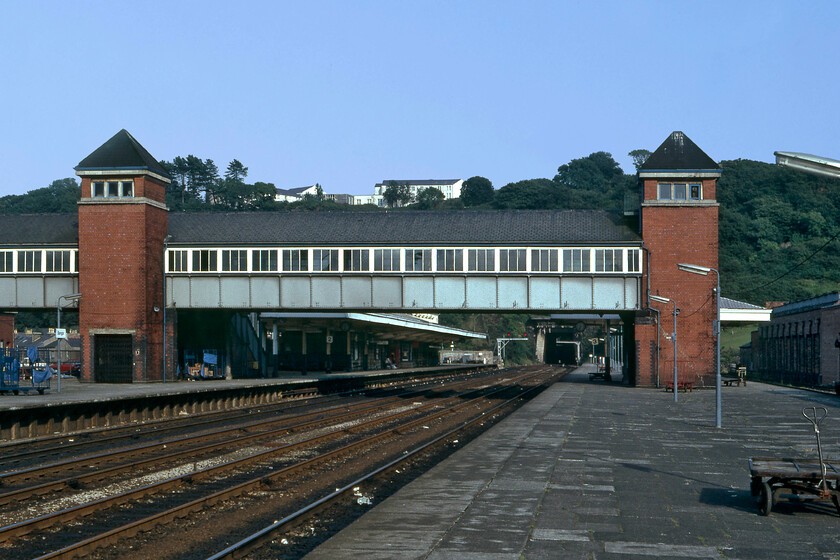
(156, 284)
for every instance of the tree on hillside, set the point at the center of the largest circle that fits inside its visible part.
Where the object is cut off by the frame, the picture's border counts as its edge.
(595, 181)
(236, 171)
(429, 198)
(639, 157)
(396, 194)
(477, 190)
(61, 196)
(532, 193)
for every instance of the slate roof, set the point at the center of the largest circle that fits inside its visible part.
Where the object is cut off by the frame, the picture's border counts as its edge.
(122, 151)
(402, 227)
(39, 229)
(728, 303)
(467, 227)
(678, 152)
(410, 182)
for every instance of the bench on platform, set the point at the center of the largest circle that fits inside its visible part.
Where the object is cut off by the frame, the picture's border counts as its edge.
(730, 381)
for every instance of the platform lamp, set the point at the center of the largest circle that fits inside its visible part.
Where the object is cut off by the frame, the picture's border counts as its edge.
(705, 270)
(68, 298)
(673, 335)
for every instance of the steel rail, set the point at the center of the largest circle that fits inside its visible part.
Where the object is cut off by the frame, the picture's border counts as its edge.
(292, 399)
(127, 531)
(48, 520)
(290, 424)
(254, 541)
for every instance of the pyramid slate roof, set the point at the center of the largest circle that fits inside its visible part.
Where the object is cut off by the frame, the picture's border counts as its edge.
(678, 152)
(122, 151)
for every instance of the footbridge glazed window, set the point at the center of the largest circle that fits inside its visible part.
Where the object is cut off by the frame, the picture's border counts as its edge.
(204, 260)
(325, 260)
(418, 260)
(512, 260)
(576, 260)
(544, 260)
(263, 260)
(481, 260)
(295, 260)
(234, 260)
(450, 260)
(356, 260)
(6, 261)
(386, 260)
(58, 261)
(608, 260)
(178, 261)
(29, 261)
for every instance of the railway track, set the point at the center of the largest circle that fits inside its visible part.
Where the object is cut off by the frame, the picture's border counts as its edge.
(297, 458)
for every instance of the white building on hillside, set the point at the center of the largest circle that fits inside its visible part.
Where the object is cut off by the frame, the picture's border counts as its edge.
(291, 195)
(451, 188)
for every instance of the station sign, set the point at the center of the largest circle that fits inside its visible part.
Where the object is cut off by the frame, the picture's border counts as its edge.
(61, 333)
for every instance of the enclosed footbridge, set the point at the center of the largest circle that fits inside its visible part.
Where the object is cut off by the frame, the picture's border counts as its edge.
(392, 261)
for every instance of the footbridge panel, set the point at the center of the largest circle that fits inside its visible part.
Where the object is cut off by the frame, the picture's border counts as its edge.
(405, 293)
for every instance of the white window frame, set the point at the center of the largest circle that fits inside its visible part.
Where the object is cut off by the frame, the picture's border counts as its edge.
(179, 260)
(295, 256)
(264, 260)
(425, 260)
(358, 259)
(477, 260)
(451, 259)
(234, 260)
(333, 259)
(387, 260)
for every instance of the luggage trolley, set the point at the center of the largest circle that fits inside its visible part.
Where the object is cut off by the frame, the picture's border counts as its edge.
(22, 371)
(796, 480)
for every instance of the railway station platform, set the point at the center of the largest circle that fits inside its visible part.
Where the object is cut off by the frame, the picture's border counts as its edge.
(74, 391)
(589, 470)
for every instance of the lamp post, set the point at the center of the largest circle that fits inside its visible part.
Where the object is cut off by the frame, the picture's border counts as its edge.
(673, 336)
(68, 297)
(705, 270)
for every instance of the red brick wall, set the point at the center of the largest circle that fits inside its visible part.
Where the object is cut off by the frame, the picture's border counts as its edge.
(675, 234)
(120, 275)
(7, 330)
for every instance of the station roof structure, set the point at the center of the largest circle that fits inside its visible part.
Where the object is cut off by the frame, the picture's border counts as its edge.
(816, 165)
(391, 326)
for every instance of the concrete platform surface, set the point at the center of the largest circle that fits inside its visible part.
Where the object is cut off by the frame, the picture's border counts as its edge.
(593, 471)
(73, 391)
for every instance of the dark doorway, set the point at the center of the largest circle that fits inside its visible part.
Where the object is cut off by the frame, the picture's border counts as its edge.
(112, 358)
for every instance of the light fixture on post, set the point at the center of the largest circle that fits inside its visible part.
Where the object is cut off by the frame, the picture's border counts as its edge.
(705, 270)
(673, 335)
(68, 298)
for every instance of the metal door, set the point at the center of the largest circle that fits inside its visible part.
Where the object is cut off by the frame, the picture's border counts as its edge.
(112, 358)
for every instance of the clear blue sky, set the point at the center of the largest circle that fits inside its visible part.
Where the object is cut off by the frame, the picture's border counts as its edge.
(350, 93)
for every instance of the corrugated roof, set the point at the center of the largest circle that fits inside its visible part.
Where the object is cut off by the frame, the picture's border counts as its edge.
(122, 151)
(402, 227)
(678, 152)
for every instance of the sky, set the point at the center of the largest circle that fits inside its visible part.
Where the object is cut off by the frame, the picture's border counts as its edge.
(348, 94)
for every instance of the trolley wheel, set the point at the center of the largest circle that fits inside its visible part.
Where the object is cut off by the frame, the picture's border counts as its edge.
(765, 499)
(40, 391)
(755, 486)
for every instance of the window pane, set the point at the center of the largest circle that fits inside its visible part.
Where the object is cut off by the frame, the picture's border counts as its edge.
(99, 188)
(695, 192)
(679, 191)
(113, 188)
(127, 188)
(664, 191)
